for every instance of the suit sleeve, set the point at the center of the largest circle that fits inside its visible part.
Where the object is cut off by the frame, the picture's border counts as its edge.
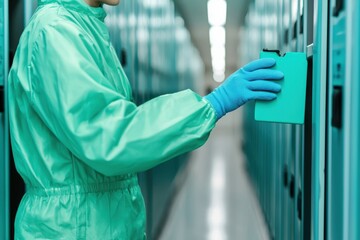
(97, 123)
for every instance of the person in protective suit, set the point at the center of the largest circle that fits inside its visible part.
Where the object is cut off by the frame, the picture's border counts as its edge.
(77, 138)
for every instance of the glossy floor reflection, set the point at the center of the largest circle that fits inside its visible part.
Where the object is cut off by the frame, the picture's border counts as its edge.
(217, 201)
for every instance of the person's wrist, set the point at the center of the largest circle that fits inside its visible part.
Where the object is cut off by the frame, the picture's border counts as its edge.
(216, 104)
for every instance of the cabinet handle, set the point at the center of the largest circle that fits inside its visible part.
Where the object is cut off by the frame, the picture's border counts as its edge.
(292, 187)
(285, 176)
(338, 7)
(336, 119)
(2, 102)
(299, 204)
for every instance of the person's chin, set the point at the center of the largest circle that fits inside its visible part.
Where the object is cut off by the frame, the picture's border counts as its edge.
(113, 2)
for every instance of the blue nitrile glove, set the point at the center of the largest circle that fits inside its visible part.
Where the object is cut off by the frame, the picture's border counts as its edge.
(248, 83)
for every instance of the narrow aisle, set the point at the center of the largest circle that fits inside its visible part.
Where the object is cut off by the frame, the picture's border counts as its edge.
(217, 201)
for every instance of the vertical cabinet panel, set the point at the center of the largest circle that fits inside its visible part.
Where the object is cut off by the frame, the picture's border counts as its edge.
(319, 117)
(335, 162)
(4, 153)
(353, 114)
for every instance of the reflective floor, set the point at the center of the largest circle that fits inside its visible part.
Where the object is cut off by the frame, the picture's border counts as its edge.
(217, 201)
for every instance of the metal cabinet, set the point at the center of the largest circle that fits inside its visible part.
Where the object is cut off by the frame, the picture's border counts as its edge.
(343, 124)
(335, 162)
(351, 126)
(318, 162)
(280, 156)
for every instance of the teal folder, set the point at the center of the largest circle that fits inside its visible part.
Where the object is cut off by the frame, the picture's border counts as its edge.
(289, 107)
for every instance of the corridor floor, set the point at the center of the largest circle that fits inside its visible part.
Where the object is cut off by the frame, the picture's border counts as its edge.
(217, 201)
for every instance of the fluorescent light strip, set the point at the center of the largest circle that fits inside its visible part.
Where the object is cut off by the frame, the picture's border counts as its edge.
(217, 36)
(217, 12)
(218, 64)
(219, 77)
(217, 52)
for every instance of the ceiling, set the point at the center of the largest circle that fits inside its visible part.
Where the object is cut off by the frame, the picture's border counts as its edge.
(194, 13)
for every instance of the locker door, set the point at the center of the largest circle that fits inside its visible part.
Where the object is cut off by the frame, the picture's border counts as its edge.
(351, 123)
(4, 145)
(296, 131)
(336, 92)
(304, 194)
(279, 171)
(300, 137)
(319, 117)
(286, 132)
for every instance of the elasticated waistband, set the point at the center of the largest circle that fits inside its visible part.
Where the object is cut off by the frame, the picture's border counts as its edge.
(127, 182)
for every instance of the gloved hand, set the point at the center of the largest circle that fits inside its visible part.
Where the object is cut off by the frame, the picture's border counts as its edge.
(248, 83)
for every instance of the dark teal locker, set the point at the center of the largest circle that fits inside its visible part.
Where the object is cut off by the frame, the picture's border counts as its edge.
(353, 209)
(344, 122)
(281, 164)
(283, 156)
(303, 136)
(4, 145)
(287, 161)
(335, 162)
(304, 196)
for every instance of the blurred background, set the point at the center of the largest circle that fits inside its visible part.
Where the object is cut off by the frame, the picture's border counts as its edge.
(252, 180)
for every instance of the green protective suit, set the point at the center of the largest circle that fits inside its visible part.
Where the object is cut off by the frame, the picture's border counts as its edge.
(77, 138)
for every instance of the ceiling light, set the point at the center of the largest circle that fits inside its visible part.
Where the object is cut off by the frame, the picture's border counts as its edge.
(218, 63)
(218, 51)
(217, 36)
(217, 12)
(219, 77)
